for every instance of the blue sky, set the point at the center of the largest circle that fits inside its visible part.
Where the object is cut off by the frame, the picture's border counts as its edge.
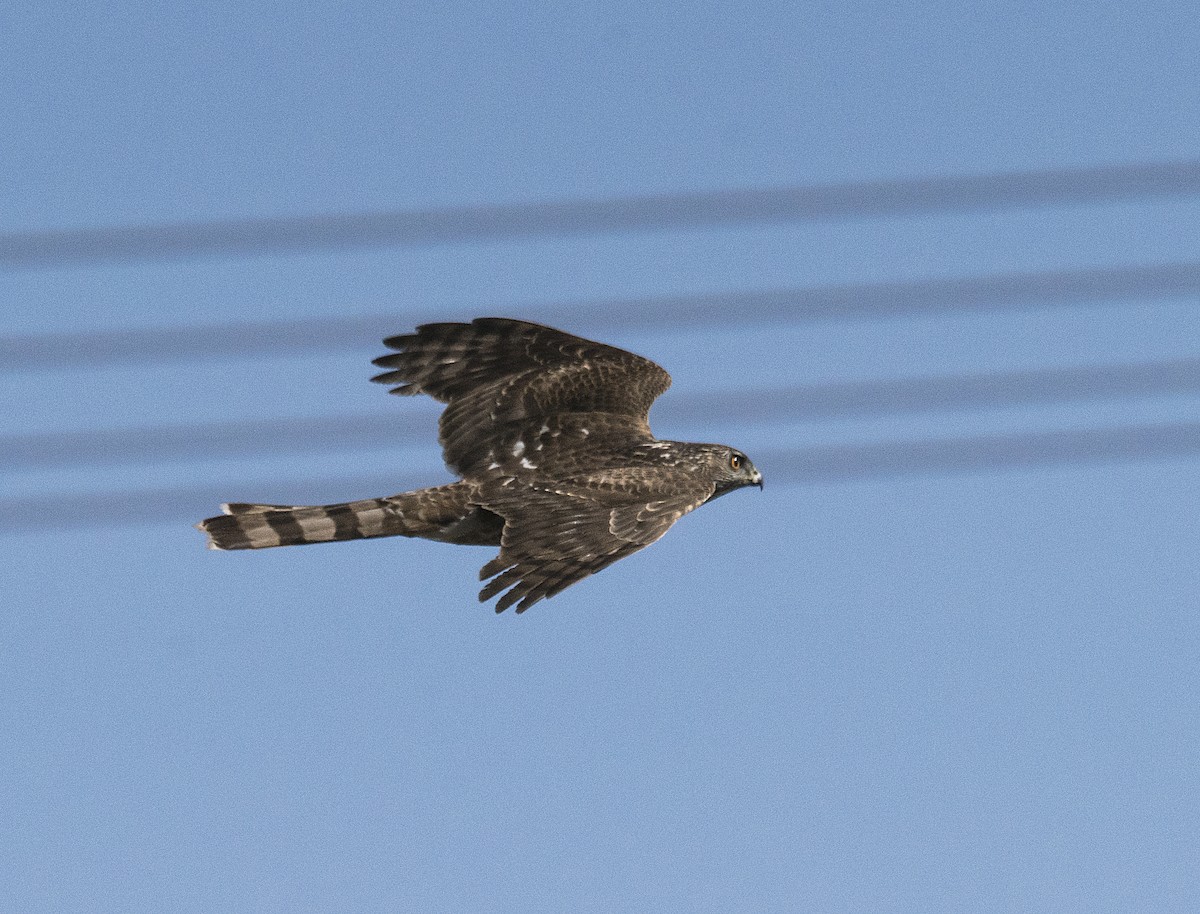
(917, 691)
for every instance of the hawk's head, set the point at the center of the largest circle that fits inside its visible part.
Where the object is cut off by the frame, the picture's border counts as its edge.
(730, 468)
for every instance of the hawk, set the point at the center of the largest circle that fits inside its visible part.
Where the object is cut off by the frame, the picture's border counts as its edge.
(550, 436)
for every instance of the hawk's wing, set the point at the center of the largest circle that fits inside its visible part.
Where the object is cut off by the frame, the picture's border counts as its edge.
(498, 375)
(556, 536)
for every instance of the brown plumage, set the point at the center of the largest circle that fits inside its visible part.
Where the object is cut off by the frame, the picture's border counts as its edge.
(559, 468)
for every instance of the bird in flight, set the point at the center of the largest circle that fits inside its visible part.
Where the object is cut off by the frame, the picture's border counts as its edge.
(550, 435)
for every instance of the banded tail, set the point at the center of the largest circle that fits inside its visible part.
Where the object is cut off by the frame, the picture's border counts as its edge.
(444, 513)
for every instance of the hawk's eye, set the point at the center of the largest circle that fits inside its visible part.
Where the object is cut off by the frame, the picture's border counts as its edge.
(736, 461)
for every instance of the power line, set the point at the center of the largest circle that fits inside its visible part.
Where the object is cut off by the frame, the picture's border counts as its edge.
(807, 466)
(458, 224)
(249, 438)
(852, 301)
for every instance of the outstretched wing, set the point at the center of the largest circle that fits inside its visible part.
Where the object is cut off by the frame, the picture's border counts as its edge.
(500, 376)
(554, 537)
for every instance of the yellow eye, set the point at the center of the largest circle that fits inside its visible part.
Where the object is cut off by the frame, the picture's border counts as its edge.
(736, 461)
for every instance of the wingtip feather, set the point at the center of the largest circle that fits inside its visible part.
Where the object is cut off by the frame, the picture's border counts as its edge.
(399, 341)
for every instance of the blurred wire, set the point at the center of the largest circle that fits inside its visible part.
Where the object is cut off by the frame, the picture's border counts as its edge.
(808, 402)
(74, 350)
(806, 466)
(652, 211)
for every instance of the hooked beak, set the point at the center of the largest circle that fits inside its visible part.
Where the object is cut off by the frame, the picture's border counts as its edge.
(757, 480)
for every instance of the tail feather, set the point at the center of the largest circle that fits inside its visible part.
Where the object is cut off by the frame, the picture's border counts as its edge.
(238, 507)
(245, 526)
(443, 513)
